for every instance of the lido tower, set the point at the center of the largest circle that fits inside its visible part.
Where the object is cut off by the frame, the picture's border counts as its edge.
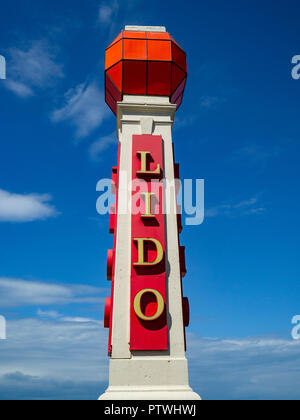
(146, 314)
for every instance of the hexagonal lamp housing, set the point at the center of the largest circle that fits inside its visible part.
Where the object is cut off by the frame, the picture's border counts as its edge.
(144, 61)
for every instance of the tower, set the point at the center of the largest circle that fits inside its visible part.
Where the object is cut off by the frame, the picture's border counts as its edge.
(145, 77)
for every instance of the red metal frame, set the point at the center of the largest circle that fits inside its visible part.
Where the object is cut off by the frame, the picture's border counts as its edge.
(176, 59)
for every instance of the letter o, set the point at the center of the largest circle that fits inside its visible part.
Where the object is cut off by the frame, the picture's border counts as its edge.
(160, 305)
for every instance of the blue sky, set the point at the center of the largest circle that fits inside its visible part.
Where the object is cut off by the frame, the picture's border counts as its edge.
(237, 129)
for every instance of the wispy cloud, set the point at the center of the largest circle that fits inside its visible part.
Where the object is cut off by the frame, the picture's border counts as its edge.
(246, 207)
(68, 360)
(33, 67)
(19, 88)
(84, 109)
(56, 315)
(18, 292)
(261, 154)
(98, 147)
(113, 15)
(48, 314)
(25, 208)
(80, 320)
(252, 368)
(186, 120)
(54, 353)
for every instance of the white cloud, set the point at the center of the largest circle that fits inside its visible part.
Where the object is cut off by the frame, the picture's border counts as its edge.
(80, 320)
(19, 88)
(56, 315)
(105, 14)
(245, 207)
(48, 314)
(33, 67)
(98, 147)
(68, 360)
(84, 108)
(25, 208)
(251, 368)
(185, 121)
(18, 292)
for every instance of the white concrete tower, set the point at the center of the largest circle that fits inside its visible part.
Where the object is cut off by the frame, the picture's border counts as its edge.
(147, 314)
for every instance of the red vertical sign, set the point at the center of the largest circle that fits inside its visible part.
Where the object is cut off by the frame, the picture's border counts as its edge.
(148, 273)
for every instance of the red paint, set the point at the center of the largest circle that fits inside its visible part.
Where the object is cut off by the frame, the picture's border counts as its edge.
(107, 312)
(148, 335)
(114, 180)
(112, 220)
(110, 264)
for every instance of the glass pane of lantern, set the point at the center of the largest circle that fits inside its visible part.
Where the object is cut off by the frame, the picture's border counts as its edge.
(177, 77)
(159, 50)
(179, 57)
(179, 101)
(113, 55)
(178, 92)
(135, 49)
(159, 78)
(111, 102)
(117, 39)
(158, 35)
(134, 34)
(135, 77)
(115, 73)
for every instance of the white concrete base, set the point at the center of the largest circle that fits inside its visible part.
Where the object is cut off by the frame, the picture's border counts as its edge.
(149, 394)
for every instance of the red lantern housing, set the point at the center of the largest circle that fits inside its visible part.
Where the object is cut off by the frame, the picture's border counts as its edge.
(144, 63)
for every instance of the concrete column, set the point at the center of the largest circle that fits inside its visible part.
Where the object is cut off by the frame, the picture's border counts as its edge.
(159, 375)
